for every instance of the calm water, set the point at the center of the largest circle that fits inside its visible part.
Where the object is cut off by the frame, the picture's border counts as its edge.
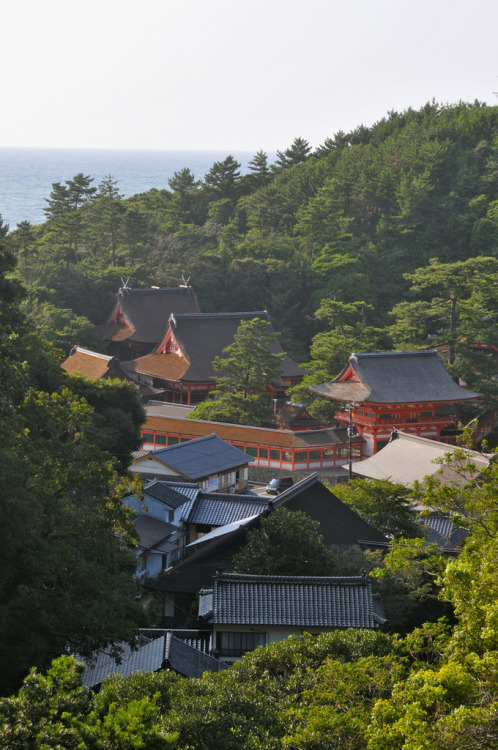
(27, 174)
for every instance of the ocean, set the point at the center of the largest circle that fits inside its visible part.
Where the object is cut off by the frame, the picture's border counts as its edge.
(27, 174)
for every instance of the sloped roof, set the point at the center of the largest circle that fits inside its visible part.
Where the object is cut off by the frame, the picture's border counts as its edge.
(165, 493)
(440, 530)
(153, 533)
(202, 337)
(394, 378)
(409, 458)
(216, 509)
(338, 524)
(202, 457)
(166, 651)
(256, 600)
(158, 419)
(147, 312)
(91, 364)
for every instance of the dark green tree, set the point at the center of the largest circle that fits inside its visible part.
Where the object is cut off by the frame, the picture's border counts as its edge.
(287, 544)
(259, 169)
(297, 153)
(223, 177)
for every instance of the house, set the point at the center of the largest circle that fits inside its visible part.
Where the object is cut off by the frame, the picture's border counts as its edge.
(409, 391)
(247, 611)
(284, 449)
(140, 317)
(214, 551)
(209, 461)
(183, 651)
(409, 458)
(182, 363)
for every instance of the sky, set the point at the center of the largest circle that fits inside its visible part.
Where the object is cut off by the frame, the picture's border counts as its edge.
(233, 74)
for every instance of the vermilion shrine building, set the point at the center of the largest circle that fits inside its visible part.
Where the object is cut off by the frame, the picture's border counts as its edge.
(181, 365)
(139, 318)
(410, 391)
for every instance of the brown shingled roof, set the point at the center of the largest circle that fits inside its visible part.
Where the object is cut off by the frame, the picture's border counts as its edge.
(92, 365)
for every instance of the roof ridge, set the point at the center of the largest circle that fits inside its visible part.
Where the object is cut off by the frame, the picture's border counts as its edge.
(90, 351)
(254, 314)
(255, 578)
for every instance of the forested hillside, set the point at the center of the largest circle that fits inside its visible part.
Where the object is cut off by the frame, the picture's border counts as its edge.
(342, 224)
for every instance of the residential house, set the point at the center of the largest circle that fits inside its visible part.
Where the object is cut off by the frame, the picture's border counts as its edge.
(140, 317)
(181, 364)
(214, 551)
(208, 461)
(247, 611)
(183, 651)
(409, 391)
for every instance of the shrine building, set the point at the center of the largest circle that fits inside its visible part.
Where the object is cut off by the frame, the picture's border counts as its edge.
(409, 391)
(140, 317)
(181, 366)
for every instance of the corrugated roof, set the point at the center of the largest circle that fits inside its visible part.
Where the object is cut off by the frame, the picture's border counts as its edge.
(202, 457)
(395, 378)
(293, 601)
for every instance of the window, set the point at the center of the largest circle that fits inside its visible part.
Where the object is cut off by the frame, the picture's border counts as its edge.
(251, 450)
(381, 444)
(385, 416)
(263, 452)
(147, 437)
(301, 456)
(329, 453)
(315, 455)
(286, 455)
(369, 414)
(237, 644)
(426, 414)
(173, 440)
(275, 455)
(160, 439)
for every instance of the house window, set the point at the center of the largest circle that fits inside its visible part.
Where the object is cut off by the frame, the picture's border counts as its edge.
(173, 440)
(147, 437)
(426, 414)
(385, 416)
(275, 455)
(263, 452)
(315, 455)
(301, 455)
(286, 456)
(251, 451)
(160, 439)
(237, 644)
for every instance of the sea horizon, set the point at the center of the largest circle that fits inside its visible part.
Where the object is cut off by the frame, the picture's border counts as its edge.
(27, 173)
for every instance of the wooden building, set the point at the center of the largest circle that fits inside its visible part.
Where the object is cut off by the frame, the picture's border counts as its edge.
(289, 450)
(182, 364)
(140, 317)
(409, 391)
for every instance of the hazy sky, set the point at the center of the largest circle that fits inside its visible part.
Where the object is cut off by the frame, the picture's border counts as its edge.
(233, 74)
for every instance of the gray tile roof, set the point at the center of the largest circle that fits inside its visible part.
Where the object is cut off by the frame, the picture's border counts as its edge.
(183, 651)
(153, 533)
(219, 510)
(394, 378)
(165, 493)
(203, 457)
(440, 530)
(294, 601)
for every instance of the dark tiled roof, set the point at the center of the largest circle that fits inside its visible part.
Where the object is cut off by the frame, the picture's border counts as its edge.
(395, 377)
(217, 509)
(201, 457)
(440, 530)
(147, 312)
(293, 601)
(165, 493)
(176, 650)
(338, 524)
(154, 533)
